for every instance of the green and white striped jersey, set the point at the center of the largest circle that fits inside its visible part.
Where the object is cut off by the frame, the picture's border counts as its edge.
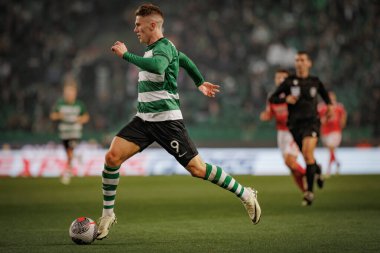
(68, 127)
(158, 99)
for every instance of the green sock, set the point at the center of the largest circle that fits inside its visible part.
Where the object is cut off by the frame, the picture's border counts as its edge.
(110, 180)
(218, 176)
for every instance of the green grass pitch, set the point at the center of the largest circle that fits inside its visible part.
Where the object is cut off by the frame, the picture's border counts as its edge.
(183, 214)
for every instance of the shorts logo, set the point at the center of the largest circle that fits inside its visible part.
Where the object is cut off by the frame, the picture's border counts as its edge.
(295, 82)
(314, 134)
(174, 144)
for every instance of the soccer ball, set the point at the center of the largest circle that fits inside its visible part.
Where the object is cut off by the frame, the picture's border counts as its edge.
(83, 230)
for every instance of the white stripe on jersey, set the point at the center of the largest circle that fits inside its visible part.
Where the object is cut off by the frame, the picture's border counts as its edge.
(148, 76)
(160, 116)
(156, 95)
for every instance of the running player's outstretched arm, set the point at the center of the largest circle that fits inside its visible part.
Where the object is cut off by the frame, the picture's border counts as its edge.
(266, 115)
(207, 88)
(156, 64)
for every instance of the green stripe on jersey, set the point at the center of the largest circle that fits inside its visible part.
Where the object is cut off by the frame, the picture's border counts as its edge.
(146, 86)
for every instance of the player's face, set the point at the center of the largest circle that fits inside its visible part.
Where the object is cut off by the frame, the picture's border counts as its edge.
(302, 64)
(280, 77)
(143, 29)
(70, 94)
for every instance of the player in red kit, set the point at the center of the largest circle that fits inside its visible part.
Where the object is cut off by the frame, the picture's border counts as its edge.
(331, 129)
(285, 141)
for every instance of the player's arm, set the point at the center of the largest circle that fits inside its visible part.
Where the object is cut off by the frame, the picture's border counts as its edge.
(266, 115)
(187, 64)
(325, 96)
(55, 115)
(207, 88)
(156, 64)
(281, 94)
(322, 112)
(84, 117)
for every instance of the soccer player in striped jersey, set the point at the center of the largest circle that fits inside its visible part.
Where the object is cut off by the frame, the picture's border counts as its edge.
(159, 118)
(285, 141)
(71, 114)
(331, 129)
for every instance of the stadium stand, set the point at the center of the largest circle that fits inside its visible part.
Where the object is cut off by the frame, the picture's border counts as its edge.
(237, 44)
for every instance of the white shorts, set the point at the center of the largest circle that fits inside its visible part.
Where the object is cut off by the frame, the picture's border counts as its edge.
(286, 143)
(332, 139)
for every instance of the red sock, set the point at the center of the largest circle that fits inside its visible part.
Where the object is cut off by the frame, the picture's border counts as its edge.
(300, 169)
(332, 156)
(298, 178)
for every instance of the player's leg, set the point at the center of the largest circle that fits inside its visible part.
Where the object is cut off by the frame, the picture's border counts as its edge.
(290, 151)
(119, 151)
(131, 139)
(173, 137)
(298, 172)
(215, 174)
(69, 150)
(336, 139)
(312, 168)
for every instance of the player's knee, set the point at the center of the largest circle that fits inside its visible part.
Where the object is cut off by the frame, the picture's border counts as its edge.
(112, 159)
(309, 158)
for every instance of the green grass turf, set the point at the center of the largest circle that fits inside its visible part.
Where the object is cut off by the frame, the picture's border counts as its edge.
(183, 214)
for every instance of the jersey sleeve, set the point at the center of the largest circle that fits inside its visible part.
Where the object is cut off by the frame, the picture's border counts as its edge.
(156, 64)
(190, 67)
(323, 92)
(279, 95)
(83, 109)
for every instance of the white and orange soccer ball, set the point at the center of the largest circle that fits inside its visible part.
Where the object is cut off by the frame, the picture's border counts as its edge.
(83, 230)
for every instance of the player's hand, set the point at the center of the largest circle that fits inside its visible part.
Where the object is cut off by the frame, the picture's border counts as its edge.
(264, 116)
(55, 116)
(291, 99)
(119, 48)
(209, 89)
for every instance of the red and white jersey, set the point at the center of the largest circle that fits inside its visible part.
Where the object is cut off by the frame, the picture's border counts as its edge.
(280, 113)
(333, 124)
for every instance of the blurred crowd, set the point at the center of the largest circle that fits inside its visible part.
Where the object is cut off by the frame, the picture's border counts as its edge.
(237, 44)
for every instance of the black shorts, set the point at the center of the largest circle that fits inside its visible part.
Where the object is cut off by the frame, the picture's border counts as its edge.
(70, 143)
(302, 129)
(171, 135)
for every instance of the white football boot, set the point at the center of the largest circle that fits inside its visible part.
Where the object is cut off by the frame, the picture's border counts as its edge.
(105, 223)
(252, 206)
